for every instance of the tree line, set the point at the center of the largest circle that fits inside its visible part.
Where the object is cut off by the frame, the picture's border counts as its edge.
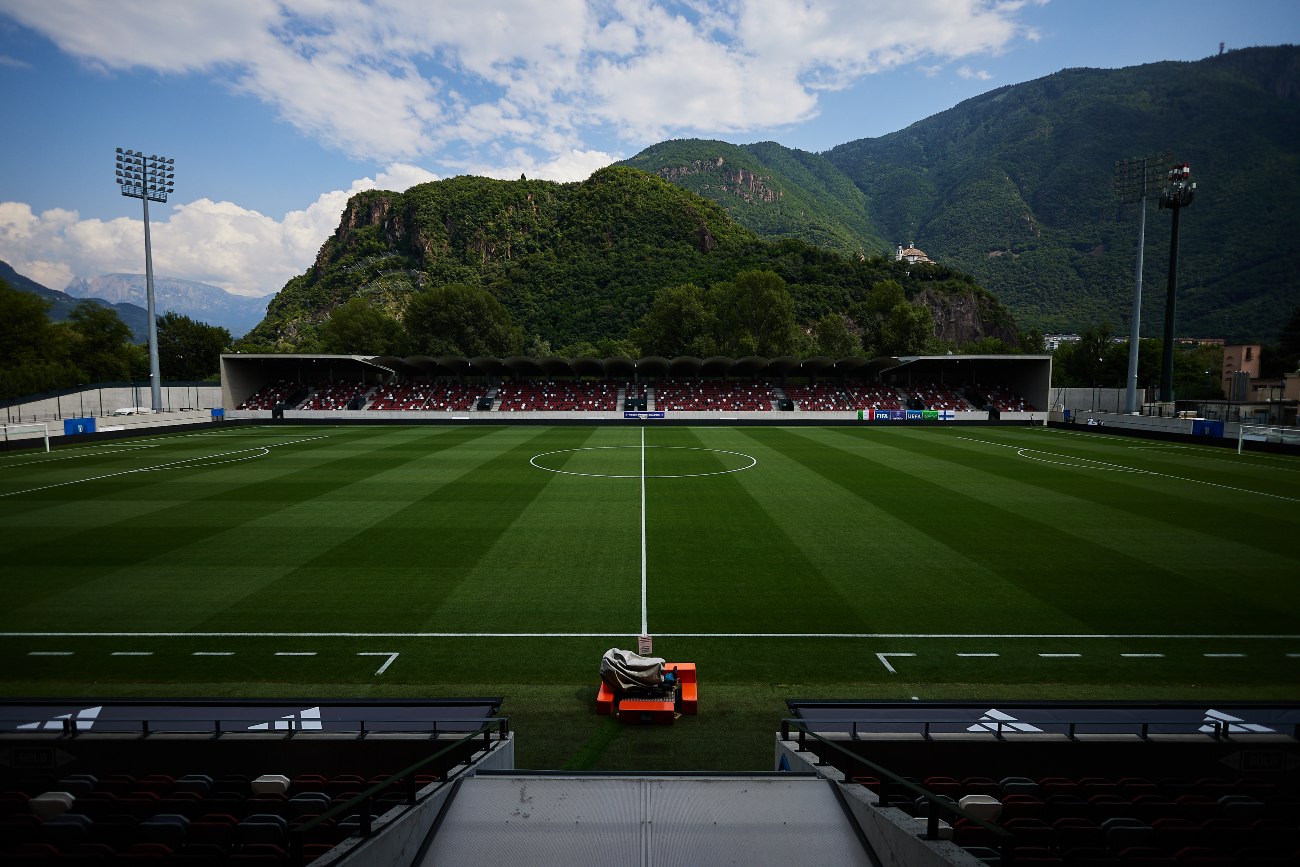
(752, 314)
(94, 345)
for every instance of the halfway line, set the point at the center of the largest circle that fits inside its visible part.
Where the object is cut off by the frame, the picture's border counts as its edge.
(645, 626)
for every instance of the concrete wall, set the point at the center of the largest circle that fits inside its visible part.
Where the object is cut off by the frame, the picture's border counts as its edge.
(101, 401)
(134, 423)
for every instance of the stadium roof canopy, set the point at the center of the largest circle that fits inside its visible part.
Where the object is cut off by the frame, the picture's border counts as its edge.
(648, 367)
(657, 367)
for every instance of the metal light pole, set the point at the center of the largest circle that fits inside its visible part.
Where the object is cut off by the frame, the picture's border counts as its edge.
(1177, 195)
(1135, 179)
(147, 178)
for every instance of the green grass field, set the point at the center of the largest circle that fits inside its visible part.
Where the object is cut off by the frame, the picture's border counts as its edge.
(866, 562)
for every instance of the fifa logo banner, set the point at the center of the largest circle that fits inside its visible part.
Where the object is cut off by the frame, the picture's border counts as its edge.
(905, 415)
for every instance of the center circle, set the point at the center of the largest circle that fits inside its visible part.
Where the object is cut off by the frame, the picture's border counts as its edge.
(744, 461)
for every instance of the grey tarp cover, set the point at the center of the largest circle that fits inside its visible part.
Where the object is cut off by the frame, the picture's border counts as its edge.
(624, 670)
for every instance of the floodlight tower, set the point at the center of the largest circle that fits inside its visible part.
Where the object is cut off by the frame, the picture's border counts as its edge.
(1135, 179)
(147, 178)
(1177, 194)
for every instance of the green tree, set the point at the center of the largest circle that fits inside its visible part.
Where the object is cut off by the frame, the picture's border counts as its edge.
(189, 350)
(755, 315)
(1032, 342)
(907, 331)
(357, 328)
(832, 337)
(34, 355)
(988, 346)
(884, 296)
(680, 321)
(100, 343)
(457, 319)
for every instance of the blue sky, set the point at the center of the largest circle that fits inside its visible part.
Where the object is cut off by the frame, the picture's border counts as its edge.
(276, 110)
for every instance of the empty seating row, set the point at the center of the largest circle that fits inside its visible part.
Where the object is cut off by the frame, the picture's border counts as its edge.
(1100, 820)
(1006, 400)
(334, 395)
(872, 397)
(817, 398)
(580, 396)
(271, 395)
(712, 396)
(937, 396)
(411, 396)
(196, 818)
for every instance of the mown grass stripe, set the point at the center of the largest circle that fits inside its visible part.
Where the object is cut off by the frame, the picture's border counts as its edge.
(398, 567)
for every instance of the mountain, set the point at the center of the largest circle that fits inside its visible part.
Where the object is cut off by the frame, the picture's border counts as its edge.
(1015, 187)
(200, 301)
(61, 303)
(580, 262)
(773, 190)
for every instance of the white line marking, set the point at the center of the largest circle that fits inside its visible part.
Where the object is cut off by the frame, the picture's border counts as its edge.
(825, 635)
(1143, 655)
(645, 626)
(1059, 655)
(1090, 464)
(295, 653)
(753, 462)
(66, 457)
(50, 653)
(254, 452)
(977, 654)
(1223, 655)
(885, 662)
(213, 653)
(391, 657)
(1293, 656)
(133, 653)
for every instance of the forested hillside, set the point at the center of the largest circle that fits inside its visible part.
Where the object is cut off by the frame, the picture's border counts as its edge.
(1015, 187)
(577, 268)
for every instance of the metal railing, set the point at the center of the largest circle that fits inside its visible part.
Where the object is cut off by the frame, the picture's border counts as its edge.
(442, 761)
(1216, 729)
(854, 766)
(217, 727)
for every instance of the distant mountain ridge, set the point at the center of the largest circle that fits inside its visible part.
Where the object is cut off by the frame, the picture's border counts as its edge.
(1015, 187)
(61, 303)
(199, 301)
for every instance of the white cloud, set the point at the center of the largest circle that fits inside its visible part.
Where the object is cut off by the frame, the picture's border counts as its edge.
(222, 243)
(403, 79)
(977, 74)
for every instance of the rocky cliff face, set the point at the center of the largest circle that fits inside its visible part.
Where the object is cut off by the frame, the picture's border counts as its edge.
(716, 175)
(967, 317)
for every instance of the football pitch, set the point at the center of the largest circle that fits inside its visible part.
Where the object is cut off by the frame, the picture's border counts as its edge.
(788, 562)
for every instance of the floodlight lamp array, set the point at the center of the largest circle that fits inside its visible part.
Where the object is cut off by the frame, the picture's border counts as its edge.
(145, 177)
(1179, 189)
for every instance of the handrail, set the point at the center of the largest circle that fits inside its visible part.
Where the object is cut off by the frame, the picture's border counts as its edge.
(218, 726)
(1219, 730)
(889, 780)
(405, 777)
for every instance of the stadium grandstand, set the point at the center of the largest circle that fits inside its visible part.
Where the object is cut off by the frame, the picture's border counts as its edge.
(434, 782)
(306, 386)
